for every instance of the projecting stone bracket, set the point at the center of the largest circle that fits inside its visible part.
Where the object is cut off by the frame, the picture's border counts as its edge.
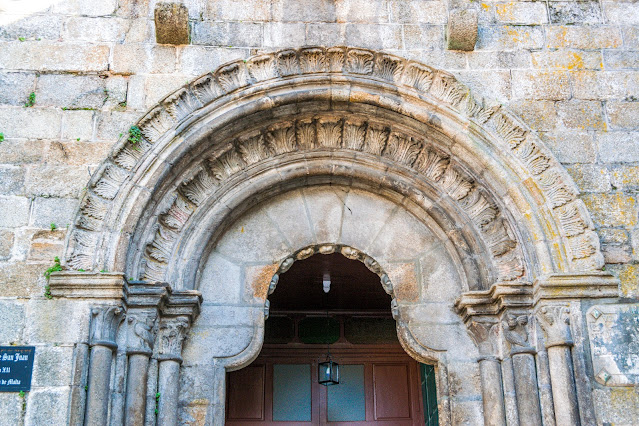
(172, 23)
(461, 31)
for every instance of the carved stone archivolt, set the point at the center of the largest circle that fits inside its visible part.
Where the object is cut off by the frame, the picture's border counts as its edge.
(97, 221)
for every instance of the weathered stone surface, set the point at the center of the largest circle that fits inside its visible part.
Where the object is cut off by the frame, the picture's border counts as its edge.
(228, 34)
(623, 115)
(578, 37)
(571, 146)
(21, 279)
(590, 177)
(56, 181)
(16, 211)
(50, 56)
(615, 209)
(461, 32)
(618, 147)
(12, 316)
(523, 13)
(34, 123)
(12, 180)
(48, 405)
(571, 13)
(567, 60)
(172, 23)
(15, 87)
(52, 366)
(6, 243)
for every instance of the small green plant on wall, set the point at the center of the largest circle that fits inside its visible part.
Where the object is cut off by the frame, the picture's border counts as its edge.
(30, 100)
(1, 137)
(135, 135)
(55, 268)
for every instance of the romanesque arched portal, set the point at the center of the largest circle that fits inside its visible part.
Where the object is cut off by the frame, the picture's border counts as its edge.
(502, 212)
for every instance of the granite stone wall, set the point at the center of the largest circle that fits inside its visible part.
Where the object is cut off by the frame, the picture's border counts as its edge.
(569, 69)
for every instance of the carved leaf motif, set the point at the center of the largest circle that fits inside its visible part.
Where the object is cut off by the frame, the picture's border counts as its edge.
(335, 56)
(389, 68)
(329, 132)
(153, 271)
(419, 76)
(571, 220)
(498, 237)
(178, 214)
(199, 187)
(509, 131)
(281, 138)
(226, 164)
(181, 104)
(253, 149)
(448, 89)
(104, 324)
(108, 186)
(94, 207)
(376, 138)
(155, 124)
(360, 61)
(231, 76)
(510, 266)
(354, 134)
(583, 245)
(206, 89)
(478, 208)
(129, 155)
(288, 64)
(403, 149)
(478, 110)
(83, 247)
(306, 133)
(455, 184)
(530, 153)
(172, 334)
(88, 223)
(162, 245)
(262, 67)
(312, 60)
(431, 164)
(553, 185)
(350, 253)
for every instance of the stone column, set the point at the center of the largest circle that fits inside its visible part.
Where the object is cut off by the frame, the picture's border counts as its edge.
(172, 334)
(104, 325)
(490, 372)
(555, 323)
(525, 372)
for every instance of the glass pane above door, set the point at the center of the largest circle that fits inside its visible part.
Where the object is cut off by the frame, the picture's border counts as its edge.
(292, 392)
(347, 400)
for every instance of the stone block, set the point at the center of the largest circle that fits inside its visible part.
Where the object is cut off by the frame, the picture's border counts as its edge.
(571, 146)
(406, 284)
(326, 34)
(12, 180)
(206, 343)
(631, 37)
(52, 366)
(445, 59)
(78, 153)
(78, 125)
(49, 320)
(574, 13)
(613, 209)
(71, 91)
(20, 279)
(362, 11)
(220, 280)
(197, 60)
(47, 406)
(583, 37)
(15, 211)
(497, 83)
(6, 243)
(626, 178)
(157, 86)
(51, 56)
(509, 37)
(140, 31)
(629, 278)
(56, 181)
(172, 23)
(227, 34)
(307, 11)
(618, 147)
(567, 59)
(86, 7)
(423, 37)
(621, 13)
(601, 85)
(33, 27)
(440, 282)
(539, 115)
(615, 254)
(238, 10)
(14, 151)
(582, 115)
(613, 236)
(621, 59)
(53, 210)
(498, 60)
(590, 177)
(109, 126)
(551, 85)
(11, 408)
(419, 12)
(13, 320)
(95, 29)
(31, 123)
(143, 58)
(46, 245)
(364, 217)
(522, 13)
(623, 115)
(284, 34)
(374, 36)
(461, 31)
(15, 87)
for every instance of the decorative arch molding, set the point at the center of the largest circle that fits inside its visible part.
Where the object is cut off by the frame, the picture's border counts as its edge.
(542, 213)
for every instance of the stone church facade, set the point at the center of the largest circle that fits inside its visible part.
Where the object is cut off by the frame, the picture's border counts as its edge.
(175, 159)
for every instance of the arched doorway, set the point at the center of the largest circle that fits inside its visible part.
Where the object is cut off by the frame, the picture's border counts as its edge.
(263, 163)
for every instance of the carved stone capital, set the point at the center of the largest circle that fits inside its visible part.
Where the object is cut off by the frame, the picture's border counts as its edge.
(484, 334)
(555, 323)
(172, 333)
(515, 331)
(141, 331)
(104, 325)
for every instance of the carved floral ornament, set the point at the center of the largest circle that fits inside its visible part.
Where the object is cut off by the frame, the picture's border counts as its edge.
(338, 133)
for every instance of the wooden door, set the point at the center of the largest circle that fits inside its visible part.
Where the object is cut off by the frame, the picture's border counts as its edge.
(378, 385)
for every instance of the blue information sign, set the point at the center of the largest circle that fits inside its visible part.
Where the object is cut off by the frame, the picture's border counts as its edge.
(16, 367)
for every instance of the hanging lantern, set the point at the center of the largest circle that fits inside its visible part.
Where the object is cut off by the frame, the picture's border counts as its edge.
(328, 372)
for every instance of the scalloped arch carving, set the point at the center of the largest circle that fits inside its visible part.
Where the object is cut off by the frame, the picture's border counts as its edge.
(541, 176)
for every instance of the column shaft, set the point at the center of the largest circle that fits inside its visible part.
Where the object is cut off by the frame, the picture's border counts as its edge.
(492, 393)
(98, 388)
(136, 389)
(563, 385)
(526, 388)
(168, 387)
